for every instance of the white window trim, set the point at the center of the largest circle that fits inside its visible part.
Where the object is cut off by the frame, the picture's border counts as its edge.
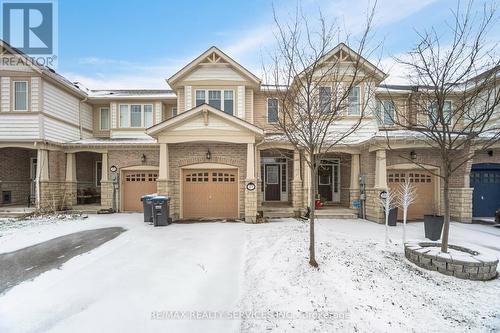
(450, 122)
(222, 97)
(331, 95)
(97, 175)
(129, 115)
(14, 95)
(267, 109)
(172, 111)
(382, 112)
(359, 102)
(100, 118)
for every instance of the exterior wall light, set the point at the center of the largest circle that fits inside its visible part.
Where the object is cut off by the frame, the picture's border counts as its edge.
(143, 158)
(208, 155)
(490, 152)
(413, 155)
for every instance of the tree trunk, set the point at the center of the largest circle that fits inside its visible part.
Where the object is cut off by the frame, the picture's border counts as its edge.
(386, 212)
(312, 192)
(446, 225)
(405, 214)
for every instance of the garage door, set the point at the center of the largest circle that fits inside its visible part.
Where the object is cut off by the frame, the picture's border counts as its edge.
(485, 179)
(135, 185)
(424, 184)
(210, 194)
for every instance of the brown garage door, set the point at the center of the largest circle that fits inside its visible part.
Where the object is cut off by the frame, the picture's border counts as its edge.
(135, 185)
(424, 184)
(210, 194)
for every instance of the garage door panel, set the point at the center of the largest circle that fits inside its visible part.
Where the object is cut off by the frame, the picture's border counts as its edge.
(135, 185)
(424, 184)
(210, 194)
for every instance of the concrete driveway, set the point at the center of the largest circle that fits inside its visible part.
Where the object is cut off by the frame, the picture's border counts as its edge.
(135, 281)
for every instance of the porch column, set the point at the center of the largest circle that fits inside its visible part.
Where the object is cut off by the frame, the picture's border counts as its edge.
(307, 182)
(250, 195)
(106, 184)
(162, 186)
(380, 170)
(354, 187)
(297, 187)
(71, 185)
(258, 178)
(42, 181)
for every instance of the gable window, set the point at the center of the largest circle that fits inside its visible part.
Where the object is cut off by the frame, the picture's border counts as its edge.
(353, 101)
(200, 97)
(386, 112)
(174, 111)
(325, 99)
(228, 101)
(136, 115)
(20, 95)
(272, 110)
(214, 98)
(104, 118)
(148, 115)
(219, 99)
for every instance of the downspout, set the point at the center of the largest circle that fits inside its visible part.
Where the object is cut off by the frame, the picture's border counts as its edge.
(80, 115)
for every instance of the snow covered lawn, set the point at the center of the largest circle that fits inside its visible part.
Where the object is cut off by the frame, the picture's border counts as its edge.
(129, 283)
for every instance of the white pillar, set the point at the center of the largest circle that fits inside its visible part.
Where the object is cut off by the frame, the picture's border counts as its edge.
(355, 171)
(250, 161)
(307, 181)
(381, 169)
(105, 167)
(164, 160)
(71, 167)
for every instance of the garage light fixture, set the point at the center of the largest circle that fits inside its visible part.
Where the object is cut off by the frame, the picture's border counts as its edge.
(413, 155)
(208, 155)
(490, 152)
(143, 158)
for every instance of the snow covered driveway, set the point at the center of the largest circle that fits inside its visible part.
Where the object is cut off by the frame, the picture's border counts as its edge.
(128, 283)
(117, 287)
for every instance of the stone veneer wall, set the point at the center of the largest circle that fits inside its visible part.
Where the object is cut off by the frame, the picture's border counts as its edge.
(185, 154)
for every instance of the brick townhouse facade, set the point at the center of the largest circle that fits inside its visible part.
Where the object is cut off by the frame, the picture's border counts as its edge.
(203, 142)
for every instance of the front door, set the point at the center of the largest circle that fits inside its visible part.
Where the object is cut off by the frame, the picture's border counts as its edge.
(485, 179)
(272, 183)
(325, 189)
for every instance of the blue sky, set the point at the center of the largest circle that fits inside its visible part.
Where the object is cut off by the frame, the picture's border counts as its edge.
(137, 44)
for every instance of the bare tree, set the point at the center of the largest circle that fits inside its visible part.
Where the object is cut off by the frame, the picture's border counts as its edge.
(311, 75)
(454, 74)
(388, 203)
(406, 196)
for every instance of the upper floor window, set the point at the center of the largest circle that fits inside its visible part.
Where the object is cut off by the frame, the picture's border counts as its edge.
(215, 98)
(20, 95)
(104, 118)
(433, 113)
(136, 115)
(386, 112)
(174, 111)
(325, 99)
(272, 110)
(353, 101)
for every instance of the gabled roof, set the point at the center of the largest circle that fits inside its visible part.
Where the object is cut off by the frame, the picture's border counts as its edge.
(341, 47)
(131, 94)
(181, 117)
(208, 53)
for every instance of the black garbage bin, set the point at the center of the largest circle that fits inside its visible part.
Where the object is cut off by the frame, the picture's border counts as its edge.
(393, 216)
(161, 210)
(147, 207)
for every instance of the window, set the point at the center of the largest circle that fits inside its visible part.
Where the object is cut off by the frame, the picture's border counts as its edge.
(325, 99)
(124, 116)
(136, 115)
(272, 110)
(148, 115)
(98, 173)
(214, 98)
(385, 112)
(200, 97)
(353, 102)
(228, 102)
(174, 111)
(433, 112)
(20, 95)
(104, 118)
(219, 99)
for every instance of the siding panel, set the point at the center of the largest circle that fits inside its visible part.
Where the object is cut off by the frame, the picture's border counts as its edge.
(5, 93)
(19, 127)
(60, 104)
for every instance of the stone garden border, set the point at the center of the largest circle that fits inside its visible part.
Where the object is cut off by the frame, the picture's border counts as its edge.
(460, 262)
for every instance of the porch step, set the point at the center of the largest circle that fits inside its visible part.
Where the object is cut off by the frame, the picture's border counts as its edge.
(336, 213)
(14, 212)
(276, 212)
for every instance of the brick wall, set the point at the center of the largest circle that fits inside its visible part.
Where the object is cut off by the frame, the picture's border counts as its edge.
(86, 169)
(15, 173)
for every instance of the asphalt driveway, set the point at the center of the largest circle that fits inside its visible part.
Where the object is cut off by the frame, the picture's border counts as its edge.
(28, 263)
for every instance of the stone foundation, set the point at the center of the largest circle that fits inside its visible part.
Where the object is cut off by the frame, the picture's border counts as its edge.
(71, 193)
(106, 194)
(250, 205)
(53, 195)
(460, 204)
(374, 210)
(459, 262)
